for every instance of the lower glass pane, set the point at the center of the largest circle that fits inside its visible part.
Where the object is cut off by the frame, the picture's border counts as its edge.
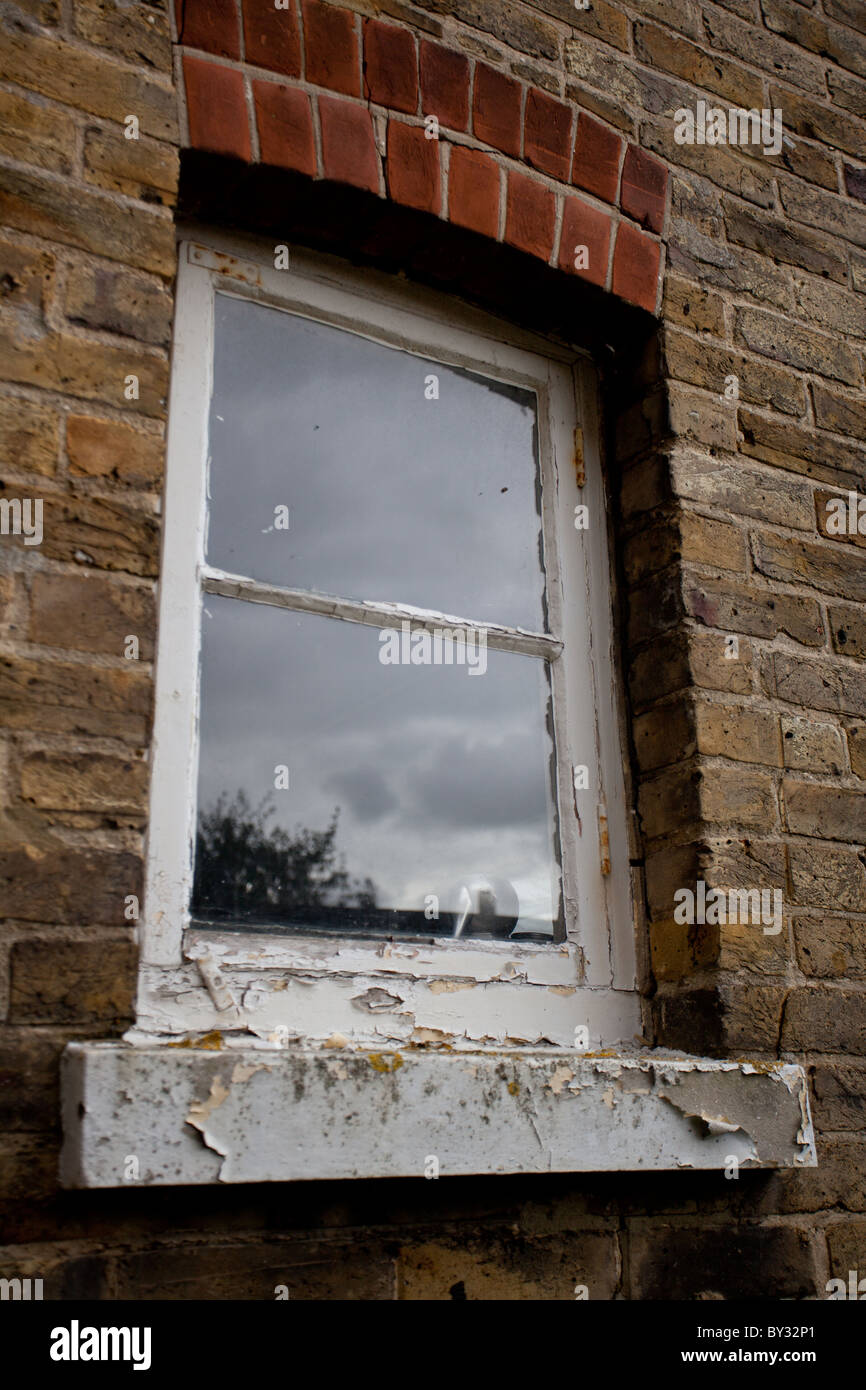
(360, 781)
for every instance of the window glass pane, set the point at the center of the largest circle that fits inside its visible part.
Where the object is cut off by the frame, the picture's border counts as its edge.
(404, 480)
(409, 786)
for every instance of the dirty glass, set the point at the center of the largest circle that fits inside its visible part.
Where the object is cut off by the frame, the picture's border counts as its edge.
(345, 467)
(340, 791)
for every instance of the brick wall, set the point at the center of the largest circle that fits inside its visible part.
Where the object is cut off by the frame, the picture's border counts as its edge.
(733, 418)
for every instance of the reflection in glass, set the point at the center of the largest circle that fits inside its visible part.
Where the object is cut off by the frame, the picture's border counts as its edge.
(412, 789)
(399, 479)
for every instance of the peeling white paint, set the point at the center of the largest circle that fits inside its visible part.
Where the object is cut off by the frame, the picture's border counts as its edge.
(197, 1116)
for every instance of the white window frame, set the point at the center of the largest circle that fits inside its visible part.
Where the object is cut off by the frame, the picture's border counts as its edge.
(267, 990)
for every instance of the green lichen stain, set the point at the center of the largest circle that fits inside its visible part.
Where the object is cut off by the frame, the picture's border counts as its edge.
(380, 1063)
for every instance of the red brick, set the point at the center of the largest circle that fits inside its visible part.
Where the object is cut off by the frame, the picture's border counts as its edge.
(473, 191)
(530, 216)
(272, 38)
(597, 152)
(496, 110)
(390, 66)
(413, 167)
(444, 85)
(547, 134)
(635, 267)
(584, 225)
(644, 186)
(217, 108)
(211, 25)
(285, 125)
(348, 147)
(331, 48)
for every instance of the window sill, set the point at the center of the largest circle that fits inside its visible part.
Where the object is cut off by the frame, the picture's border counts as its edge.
(189, 1115)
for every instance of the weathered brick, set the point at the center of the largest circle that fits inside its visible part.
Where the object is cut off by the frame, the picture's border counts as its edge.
(833, 569)
(284, 122)
(704, 541)
(732, 796)
(841, 414)
(412, 168)
(75, 216)
(727, 1261)
(332, 51)
(703, 256)
(585, 236)
(742, 491)
(272, 38)
(831, 215)
(693, 307)
(778, 338)
(857, 748)
(335, 1269)
(140, 33)
(847, 1248)
(801, 450)
(822, 303)
(29, 1090)
(29, 435)
(84, 368)
(348, 148)
(827, 812)
(50, 696)
(636, 259)
(665, 735)
(114, 450)
(743, 733)
(85, 782)
(92, 613)
(644, 188)
(390, 66)
(509, 1267)
(70, 887)
(705, 364)
(509, 24)
(473, 191)
(496, 109)
(92, 83)
(670, 53)
(825, 1020)
(65, 982)
(831, 947)
(715, 664)
(827, 876)
(144, 169)
(530, 215)
(547, 134)
(848, 630)
(746, 179)
(216, 108)
(33, 134)
(840, 1097)
(778, 59)
(811, 31)
(755, 612)
(444, 79)
(808, 745)
(816, 685)
(119, 301)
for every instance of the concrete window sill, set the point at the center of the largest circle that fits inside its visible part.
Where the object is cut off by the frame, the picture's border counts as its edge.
(190, 1115)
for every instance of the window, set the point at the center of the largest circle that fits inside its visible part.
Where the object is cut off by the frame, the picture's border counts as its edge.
(387, 795)
(363, 479)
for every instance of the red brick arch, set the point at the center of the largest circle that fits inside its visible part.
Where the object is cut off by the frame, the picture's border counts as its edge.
(334, 95)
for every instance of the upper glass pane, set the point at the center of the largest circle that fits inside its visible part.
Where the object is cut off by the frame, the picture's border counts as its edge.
(345, 467)
(341, 790)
